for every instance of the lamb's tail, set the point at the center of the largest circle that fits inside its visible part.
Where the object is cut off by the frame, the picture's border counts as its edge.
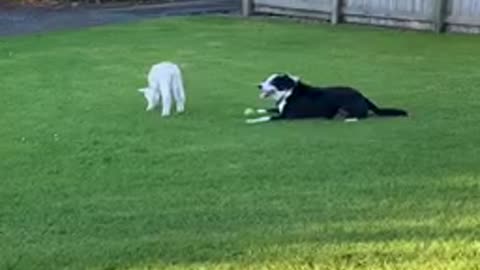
(385, 111)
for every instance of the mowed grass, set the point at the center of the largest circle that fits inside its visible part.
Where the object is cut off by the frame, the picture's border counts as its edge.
(89, 180)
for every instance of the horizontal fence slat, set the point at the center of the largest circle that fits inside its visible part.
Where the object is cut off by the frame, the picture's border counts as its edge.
(463, 21)
(303, 13)
(311, 5)
(387, 15)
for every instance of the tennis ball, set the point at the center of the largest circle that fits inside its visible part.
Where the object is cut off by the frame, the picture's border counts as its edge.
(249, 111)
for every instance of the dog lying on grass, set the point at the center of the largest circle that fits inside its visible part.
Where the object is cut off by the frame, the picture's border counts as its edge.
(297, 100)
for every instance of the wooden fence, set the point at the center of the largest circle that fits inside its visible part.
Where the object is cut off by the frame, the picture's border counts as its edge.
(434, 15)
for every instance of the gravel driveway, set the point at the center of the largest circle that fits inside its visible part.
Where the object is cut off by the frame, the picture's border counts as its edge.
(28, 20)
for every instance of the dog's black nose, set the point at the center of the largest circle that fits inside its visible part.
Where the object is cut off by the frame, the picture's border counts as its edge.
(260, 86)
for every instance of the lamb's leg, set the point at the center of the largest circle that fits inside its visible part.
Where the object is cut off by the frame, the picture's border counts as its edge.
(166, 99)
(179, 93)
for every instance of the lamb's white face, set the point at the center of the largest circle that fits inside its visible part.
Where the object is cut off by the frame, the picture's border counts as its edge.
(151, 96)
(277, 86)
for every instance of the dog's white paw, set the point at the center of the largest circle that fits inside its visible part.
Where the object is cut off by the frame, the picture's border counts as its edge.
(258, 120)
(351, 120)
(261, 111)
(249, 111)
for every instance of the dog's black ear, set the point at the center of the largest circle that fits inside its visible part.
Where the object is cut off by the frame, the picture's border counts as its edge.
(284, 82)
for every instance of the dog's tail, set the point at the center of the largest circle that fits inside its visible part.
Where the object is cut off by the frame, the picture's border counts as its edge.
(385, 111)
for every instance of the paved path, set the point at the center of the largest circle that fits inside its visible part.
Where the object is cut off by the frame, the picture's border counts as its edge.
(22, 21)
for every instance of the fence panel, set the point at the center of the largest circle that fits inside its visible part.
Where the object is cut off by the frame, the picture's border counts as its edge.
(458, 15)
(463, 16)
(416, 14)
(394, 8)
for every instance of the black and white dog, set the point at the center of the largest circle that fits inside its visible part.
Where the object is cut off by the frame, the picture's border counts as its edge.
(296, 100)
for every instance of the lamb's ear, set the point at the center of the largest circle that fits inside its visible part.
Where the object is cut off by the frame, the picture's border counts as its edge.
(141, 90)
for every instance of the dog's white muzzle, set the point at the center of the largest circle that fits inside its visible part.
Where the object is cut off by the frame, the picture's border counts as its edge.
(266, 89)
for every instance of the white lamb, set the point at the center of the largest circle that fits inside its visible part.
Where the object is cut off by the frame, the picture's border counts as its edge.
(165, 80)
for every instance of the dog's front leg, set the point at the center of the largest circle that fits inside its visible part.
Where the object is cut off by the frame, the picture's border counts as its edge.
(263, 119)
(270, 110)
(258, 120)
(250, 111)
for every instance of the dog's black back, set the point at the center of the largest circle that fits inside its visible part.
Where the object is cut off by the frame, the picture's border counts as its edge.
(306, 101)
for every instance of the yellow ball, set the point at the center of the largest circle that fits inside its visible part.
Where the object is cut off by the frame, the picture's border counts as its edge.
(249, 111)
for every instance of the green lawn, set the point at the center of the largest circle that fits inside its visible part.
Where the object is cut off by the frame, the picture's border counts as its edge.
(89, 180)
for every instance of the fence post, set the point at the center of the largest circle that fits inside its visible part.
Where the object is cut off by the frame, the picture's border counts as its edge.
(336, 13)
(439, 14)
(247, 7)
